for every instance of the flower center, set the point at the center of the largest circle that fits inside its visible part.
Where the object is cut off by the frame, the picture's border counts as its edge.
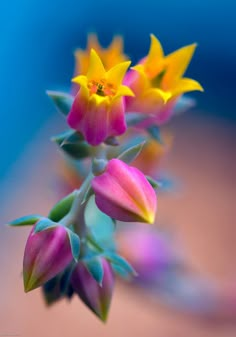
(101, 88)
(156, 81)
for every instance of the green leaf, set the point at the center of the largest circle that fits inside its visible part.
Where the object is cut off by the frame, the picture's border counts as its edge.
(119, 261)
(44, 224)
(61, 208)
(121, 272)
(73, 144)
(74, 243)
(95, 268)
(135, 118)
(153, 182)
(155, 133)
(130, 154)
(27, 220)
(76, 151)
(62, 101)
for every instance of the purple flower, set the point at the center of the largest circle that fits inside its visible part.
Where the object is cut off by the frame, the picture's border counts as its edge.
(96, 297)
(47, 253)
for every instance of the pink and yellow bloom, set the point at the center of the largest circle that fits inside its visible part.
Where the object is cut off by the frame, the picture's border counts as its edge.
(157, 81)
(123, 193)
(110, 56)
(96, 297)
(98, 109)
(47, 253)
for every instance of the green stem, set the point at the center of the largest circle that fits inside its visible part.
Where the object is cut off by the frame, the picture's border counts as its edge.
(75, 216)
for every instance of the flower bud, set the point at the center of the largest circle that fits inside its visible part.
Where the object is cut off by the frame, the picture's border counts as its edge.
(123, 193)
(96, 297)
(47, 253)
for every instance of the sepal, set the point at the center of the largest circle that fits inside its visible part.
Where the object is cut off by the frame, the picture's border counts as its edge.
(73, 144)
(62, 207)
(131, 153)
(27, 220)
(62, 101)
(74, 243)
(120, 264)
(95, 268)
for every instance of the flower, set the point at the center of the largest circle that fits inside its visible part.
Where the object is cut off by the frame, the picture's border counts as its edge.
(98, 109)
(146, 250)
(110, 56)
(157, 81)
(47, 253)
(123, 193)
(96, 297)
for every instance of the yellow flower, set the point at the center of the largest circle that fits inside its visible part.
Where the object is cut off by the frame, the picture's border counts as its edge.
(110, 56)
(157, 81)
(98, 109)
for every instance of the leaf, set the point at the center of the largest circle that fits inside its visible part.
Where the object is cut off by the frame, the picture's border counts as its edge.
(73, 144)
(76, 151)
(61, 208)
(130, 154)
(44, 224)
(153, 182)
(27, 220)
(68, 136)
(62, 101)
(155, 133)
(135, 118)
(95, 268)
(121, 271)
(119, 261)
(74, 243)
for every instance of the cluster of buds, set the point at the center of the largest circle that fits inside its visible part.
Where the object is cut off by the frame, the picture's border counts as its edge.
(73, 250)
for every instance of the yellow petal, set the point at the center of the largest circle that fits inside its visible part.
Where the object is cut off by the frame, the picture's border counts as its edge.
(139, 68)
(154, 61)
(176, 64)
(93, 43)
(96, 69)
(116, 74)
(116, 45)
(124, 91)
(81, 80)
(96, 100)
(157, 95)
(186, 85)
(155, 51)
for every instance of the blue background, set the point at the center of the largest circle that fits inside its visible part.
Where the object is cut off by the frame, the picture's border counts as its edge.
(37, 39)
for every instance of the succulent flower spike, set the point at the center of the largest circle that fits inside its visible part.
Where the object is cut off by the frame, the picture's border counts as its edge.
(110, 56)
(157, 81)
(96, 297)
(98, 108)
(47, 253)
(123, 193)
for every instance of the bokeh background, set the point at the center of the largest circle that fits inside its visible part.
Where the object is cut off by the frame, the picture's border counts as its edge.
(37, 40)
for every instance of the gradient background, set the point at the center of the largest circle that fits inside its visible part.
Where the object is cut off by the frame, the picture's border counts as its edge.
(37, 39)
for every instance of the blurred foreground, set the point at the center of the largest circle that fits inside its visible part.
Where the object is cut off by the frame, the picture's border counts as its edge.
(198, 214)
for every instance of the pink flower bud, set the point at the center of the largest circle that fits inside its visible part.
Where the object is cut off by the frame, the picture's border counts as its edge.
(96, 297)
(47, 253)
(123, 193)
